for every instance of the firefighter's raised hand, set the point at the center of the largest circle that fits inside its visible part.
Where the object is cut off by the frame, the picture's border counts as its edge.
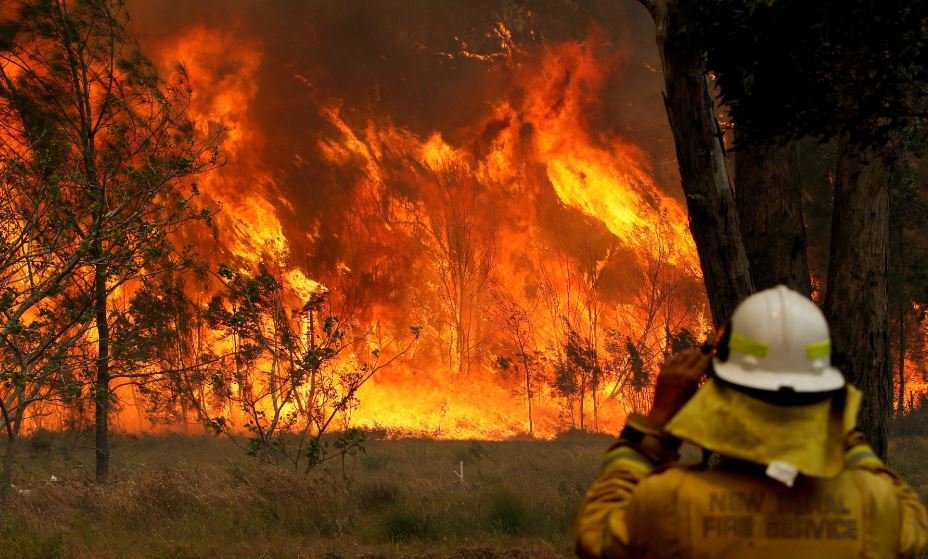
(677, 382)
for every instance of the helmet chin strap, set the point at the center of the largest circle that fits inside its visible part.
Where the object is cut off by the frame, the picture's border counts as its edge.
(784, 396)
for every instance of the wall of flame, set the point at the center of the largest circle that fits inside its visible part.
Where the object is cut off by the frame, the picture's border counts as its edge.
(358, 133)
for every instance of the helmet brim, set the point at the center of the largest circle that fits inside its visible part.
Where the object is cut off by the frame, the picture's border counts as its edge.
(823, 380)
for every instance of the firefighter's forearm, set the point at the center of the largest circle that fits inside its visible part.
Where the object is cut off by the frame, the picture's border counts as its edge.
(603, 520)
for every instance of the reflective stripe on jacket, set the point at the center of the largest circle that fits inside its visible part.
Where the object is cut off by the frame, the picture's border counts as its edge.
(734, 511)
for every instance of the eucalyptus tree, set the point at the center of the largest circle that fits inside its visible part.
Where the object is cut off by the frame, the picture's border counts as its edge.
(101, 127)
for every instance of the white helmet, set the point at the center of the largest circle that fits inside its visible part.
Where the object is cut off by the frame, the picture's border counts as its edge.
(779, 339)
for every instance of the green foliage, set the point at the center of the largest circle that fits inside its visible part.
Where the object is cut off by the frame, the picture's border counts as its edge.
(98, 153)
(293, 380)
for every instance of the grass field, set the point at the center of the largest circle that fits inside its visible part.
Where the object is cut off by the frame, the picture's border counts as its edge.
(185, 497)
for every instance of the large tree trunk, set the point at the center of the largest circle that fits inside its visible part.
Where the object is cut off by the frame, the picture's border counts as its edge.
(700, 156)
(767, 191)
(856, 301)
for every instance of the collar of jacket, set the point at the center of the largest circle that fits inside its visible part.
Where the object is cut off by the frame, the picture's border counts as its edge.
(808, 437)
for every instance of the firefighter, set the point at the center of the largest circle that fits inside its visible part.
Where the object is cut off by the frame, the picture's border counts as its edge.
(793, 478)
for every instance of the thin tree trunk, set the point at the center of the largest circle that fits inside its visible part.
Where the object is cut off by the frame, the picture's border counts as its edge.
(102, 388)
(9, 458)
(700, 156)
(582, 400)
(528, 391)
(856, 301)
(769, 202)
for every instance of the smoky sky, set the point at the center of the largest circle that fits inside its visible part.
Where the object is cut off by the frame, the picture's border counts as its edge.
(400, 62)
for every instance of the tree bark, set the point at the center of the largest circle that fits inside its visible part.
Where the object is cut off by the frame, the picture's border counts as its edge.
(769, 199)
(856, 302)
(700, 156)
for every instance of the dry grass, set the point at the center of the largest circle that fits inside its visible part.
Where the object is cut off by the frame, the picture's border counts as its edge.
(191, 497)
(185, 497)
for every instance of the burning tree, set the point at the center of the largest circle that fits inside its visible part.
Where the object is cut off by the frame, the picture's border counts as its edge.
(109, 140)
(294, 371)
(479, 196)
(517, 324)
(460, 245)
(44, 305)
(164, 351)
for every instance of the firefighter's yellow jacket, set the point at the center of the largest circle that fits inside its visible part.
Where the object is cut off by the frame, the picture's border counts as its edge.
(732, 510)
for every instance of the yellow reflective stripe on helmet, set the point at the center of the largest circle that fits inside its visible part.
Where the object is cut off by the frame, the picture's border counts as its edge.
(818, 349)
(744, 344)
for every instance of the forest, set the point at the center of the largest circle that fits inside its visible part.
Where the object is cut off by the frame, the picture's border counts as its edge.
(295, 235)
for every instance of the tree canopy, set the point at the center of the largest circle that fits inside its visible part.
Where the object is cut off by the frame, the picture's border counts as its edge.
(789, 68)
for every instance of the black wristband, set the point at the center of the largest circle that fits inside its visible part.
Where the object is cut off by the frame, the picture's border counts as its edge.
(631, 435)
(650, 440)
